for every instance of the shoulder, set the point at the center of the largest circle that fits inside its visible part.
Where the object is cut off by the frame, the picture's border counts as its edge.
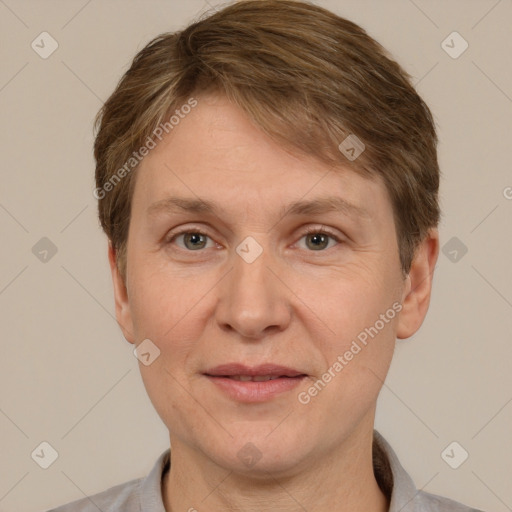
(133, 496)
(434, 503)
(122, 497)
(400, 488)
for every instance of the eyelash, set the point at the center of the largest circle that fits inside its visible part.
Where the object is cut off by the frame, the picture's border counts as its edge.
(309, 231)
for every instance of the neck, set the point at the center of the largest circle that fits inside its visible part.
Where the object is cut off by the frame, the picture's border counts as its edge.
(342, 481)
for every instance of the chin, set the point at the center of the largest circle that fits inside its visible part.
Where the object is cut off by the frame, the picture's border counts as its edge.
(258, 453)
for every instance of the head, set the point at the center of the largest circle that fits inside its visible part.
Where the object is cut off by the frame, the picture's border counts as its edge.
(304, 161)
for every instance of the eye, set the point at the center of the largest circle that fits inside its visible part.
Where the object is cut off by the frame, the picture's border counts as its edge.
(192, 240)
(319, 239)
(316, 239)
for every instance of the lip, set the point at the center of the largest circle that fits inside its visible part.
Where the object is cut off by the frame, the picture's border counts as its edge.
(273, 370)
(249, 391)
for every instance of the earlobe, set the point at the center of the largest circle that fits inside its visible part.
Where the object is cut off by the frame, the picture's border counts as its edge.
(123, 312)
(418, 286)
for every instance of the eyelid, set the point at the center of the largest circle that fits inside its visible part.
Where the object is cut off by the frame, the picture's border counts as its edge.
(313, 230)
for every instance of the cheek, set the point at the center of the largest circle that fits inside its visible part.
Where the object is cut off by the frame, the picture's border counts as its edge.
(164, 303)
(172, 311)
(168, 391)
(349, 300)
(360, 313)
(356, 357)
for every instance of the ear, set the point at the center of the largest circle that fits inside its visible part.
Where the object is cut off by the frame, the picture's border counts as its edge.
(418, 286)
(123, 312)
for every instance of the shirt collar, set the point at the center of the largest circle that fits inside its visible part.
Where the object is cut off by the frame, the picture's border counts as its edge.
(150, 492)
(392, 477)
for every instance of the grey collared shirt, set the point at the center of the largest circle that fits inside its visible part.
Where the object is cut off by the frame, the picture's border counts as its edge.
(145, 494)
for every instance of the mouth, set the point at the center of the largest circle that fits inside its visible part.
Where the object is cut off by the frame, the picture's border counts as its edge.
(254, 384)
(254, 378)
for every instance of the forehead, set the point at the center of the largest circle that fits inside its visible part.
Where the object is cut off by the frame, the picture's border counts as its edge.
(217, 155)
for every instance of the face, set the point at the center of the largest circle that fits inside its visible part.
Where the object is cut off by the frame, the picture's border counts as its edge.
(246, 262)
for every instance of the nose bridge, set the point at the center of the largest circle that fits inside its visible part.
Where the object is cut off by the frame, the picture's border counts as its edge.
(253, 302)
(250, 267)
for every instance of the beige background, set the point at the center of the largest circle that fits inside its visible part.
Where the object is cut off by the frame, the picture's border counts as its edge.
(66, 374)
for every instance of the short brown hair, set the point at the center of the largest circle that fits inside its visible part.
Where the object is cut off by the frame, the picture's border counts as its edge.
(307, 77)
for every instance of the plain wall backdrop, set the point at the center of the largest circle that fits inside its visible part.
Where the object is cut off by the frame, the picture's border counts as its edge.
(68, 377)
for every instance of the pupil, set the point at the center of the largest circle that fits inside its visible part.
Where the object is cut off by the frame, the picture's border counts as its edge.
(194, 238)
(318, 238)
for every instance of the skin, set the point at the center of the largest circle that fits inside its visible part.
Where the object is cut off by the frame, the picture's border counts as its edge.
(294, 305)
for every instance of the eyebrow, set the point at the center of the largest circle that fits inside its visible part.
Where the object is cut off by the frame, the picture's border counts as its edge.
(317, 206)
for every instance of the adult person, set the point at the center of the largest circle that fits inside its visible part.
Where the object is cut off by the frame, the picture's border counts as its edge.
(268, 181)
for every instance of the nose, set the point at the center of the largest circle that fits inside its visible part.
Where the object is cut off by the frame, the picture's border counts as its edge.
(252, 300)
